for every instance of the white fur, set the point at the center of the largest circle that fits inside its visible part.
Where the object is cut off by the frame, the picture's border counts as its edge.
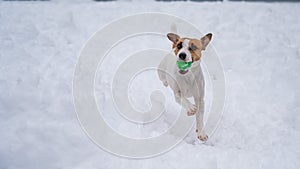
(184, 86)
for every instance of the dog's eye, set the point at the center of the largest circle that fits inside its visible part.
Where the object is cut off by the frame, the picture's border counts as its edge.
(179, 46)
(193, 47)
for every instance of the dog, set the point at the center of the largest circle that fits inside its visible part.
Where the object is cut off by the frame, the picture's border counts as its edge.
(183, 74)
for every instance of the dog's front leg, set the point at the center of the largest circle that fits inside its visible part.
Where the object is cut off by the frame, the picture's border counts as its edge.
(191, 109)
(199, 119)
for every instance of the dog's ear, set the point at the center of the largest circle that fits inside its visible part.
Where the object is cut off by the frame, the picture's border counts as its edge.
(205, 40)
(173, 37)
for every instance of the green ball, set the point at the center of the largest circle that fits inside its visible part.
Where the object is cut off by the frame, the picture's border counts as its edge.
(182, 65)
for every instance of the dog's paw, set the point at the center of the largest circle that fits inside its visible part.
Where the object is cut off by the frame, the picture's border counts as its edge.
(191, 110)
(202, 136)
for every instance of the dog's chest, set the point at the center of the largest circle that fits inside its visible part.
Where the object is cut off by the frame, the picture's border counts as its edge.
(187, 84)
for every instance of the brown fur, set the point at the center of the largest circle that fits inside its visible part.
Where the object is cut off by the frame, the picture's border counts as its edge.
(200, 44)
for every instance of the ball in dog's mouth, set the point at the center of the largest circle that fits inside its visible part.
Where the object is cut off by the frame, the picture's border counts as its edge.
(183, 66)
(183, 71)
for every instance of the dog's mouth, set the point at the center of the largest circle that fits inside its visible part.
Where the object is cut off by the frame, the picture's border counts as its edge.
(183, 66)
(183, 71)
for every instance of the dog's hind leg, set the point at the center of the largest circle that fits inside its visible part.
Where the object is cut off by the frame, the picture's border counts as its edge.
(199, 119)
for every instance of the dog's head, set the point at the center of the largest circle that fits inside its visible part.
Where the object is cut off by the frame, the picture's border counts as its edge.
(188, 50)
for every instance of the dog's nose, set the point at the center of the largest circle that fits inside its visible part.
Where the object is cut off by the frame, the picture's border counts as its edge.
(182, 56)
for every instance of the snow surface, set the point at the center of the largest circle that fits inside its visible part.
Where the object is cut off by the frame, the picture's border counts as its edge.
(258, 44)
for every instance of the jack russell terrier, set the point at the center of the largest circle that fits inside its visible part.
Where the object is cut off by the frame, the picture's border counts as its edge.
(184, 76)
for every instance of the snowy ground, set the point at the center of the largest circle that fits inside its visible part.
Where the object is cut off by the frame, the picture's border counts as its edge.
(258, 44)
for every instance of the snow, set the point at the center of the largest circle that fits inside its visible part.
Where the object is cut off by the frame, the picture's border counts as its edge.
(258, 44)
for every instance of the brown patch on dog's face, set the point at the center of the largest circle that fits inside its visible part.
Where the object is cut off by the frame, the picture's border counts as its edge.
(191, 47)
(178, 45)
(195, 48)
